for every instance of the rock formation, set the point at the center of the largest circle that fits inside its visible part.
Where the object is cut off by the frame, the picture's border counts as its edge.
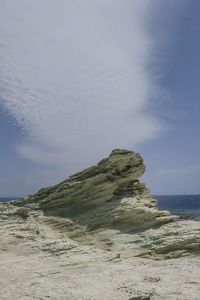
(97, 235)
(108, 199)
(106, 195)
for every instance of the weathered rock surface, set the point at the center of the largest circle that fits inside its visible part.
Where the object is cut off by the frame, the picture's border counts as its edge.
(46, 257)
(108, 200)
(98, 235)
(108, 194)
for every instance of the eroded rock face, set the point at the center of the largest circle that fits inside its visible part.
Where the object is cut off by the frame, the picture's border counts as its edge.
(97, 235)
(108, 194)
(50, 257)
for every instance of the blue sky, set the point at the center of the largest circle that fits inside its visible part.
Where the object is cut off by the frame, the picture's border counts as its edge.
(81, 78)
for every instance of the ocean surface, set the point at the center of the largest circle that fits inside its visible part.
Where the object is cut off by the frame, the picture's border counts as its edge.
(176, 204)
(180, 204)
(8, 199)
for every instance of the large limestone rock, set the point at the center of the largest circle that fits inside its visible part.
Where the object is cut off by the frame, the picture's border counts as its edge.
(106, 195)
(97, 235)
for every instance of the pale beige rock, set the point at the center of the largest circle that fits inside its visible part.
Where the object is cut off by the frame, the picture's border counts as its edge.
(98, 235)
(39, 260)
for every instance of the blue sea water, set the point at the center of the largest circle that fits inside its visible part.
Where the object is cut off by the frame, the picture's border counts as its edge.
(180, 204)
(176, 204)
(8, 199)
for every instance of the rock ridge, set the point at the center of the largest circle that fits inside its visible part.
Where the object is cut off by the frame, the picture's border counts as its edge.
(98, 235)
(106, 195)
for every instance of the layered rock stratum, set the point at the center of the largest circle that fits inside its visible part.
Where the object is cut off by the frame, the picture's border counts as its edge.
(106, 195)
(98, 235)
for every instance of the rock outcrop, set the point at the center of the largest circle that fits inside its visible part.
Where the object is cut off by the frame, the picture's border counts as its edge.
(98, 203)
(40, 258)
(106, 195)
(98, 235)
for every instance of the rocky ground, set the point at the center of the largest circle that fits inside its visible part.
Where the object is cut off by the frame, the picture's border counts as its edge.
(98, 236)
(38, 260)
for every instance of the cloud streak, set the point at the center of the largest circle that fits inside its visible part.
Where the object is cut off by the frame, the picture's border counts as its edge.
(75, 75)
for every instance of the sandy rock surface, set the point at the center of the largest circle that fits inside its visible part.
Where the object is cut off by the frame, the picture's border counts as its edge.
(98, 236)
(40, 258)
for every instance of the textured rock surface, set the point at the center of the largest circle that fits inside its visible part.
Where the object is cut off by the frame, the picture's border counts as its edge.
(108, 199)
(108, 194)
(49, 258)
(98, 235)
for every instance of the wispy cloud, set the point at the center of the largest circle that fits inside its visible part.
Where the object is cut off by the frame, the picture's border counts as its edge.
(76, 76)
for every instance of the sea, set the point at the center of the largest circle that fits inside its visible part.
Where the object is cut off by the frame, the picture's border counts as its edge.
(176, 204)
(8, 199)
(180, 204)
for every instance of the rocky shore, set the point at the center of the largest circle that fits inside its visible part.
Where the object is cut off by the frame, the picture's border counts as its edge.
(98, 235)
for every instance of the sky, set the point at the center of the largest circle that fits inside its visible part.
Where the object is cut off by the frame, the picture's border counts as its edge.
(80, 78)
